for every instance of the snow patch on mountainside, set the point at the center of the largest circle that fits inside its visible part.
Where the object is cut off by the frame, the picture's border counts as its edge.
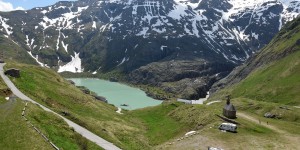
(36, 58)
(73, 66)
(178, 12)
(291, 9)
(94, 25)
(65, 46)
(6, 27)
(123, 60)
(65, 20)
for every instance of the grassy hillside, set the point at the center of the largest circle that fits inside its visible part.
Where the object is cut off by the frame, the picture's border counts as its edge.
(277, 82)
(149, 128)
(138, 129)
(16, 133)
(57, 130)
(48, 88)
(280, 133)
(171, 119)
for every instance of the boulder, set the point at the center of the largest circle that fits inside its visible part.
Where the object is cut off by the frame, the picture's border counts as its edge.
(269, 115)
(101, 98)
(13, 72)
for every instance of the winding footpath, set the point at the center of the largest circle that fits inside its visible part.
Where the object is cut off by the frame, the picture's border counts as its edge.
(292, 139)
(255, 120)
(212, 102)
(79, 129)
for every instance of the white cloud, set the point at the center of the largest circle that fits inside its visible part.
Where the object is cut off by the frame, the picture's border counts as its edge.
(19, 8)
(6, 6)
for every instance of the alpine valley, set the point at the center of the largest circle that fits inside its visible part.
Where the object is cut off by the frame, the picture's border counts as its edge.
(181, 46)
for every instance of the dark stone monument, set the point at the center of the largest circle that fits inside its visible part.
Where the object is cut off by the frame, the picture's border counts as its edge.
(13, 72)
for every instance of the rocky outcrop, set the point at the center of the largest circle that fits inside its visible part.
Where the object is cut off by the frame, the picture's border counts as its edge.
(190, 79)
(100, 98)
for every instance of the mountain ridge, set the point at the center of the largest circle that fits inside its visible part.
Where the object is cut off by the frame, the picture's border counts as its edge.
(101, 36)
(271, 74)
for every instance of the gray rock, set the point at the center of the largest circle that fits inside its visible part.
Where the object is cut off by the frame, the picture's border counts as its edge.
(186, 78)
(269, 115)
(101, 98)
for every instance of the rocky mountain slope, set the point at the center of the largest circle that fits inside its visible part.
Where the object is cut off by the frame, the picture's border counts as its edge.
(182, 46)
(270, 75)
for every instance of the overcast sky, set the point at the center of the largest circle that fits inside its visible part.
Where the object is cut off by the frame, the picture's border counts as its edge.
(9, 5)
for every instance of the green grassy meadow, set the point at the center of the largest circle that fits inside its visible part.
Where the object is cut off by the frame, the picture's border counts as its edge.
(278, 82)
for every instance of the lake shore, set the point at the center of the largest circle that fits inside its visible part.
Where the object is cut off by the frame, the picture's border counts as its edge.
(118, 94)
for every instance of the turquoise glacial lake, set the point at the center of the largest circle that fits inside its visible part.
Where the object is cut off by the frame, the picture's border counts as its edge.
(117, 93)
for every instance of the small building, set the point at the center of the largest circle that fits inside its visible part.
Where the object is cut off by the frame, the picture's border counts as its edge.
(229, 110)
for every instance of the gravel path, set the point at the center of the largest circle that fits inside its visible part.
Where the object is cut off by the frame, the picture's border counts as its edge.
(240, 114)
(79, 129)
(293, 139)
(209, 103)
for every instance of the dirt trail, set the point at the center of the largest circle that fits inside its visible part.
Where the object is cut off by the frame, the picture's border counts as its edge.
(212, 102)
(265, 124)
(292, 139)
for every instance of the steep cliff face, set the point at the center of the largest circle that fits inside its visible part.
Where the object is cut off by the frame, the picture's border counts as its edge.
(270, 75)
(131, 35)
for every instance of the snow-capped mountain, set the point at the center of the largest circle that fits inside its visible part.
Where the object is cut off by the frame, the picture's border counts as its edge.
(104, 35)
